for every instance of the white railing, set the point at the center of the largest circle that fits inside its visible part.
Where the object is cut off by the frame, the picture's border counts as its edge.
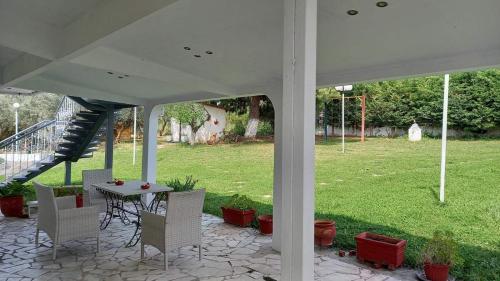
(37, 144)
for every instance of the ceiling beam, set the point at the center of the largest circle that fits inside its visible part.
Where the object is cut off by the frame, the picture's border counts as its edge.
(86, 33)
(56, 86)
(468, 61)
(28, 36)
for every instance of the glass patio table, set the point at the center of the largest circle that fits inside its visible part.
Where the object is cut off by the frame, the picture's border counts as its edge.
(117, 195)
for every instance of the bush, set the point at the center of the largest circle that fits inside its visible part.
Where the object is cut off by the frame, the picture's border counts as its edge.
(241, 202)
(180, 187)
(265, 129)
(236, 124)
(15, 189)
(441, 249)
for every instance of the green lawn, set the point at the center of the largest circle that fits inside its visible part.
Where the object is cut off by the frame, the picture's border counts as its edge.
(386, 186)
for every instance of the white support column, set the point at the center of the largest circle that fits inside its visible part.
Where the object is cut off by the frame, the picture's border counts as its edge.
(444, 136)
(276, 99)
(151, 115)
(299, 84)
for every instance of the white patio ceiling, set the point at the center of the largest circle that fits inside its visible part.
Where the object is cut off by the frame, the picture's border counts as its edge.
(71, 47)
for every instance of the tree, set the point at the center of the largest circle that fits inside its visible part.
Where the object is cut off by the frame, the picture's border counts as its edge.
(191, 113)
(254, 117)
(33, 109)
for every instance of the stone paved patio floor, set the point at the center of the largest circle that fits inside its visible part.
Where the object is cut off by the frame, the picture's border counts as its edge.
(229, 253)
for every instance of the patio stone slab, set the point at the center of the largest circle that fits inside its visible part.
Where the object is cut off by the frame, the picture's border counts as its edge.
(229, 253)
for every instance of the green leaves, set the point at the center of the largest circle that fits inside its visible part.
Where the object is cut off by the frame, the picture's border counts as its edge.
(15, 189)
(441, 249)
(241, 202)
(177, 186)
(474, 102)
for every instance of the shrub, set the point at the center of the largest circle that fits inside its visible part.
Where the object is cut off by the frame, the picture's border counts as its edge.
(265, 129)
(15, 189)
(236, 124)
(241, 202)
(177, 186)
(441, 249)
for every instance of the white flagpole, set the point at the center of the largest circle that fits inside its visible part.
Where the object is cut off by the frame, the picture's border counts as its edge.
(135, 132)
(444, 137)
(343, 130)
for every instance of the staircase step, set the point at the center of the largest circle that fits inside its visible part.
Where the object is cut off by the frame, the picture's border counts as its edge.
(88, 115)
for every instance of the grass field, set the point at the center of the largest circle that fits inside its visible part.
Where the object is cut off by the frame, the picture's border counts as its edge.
(386, 186)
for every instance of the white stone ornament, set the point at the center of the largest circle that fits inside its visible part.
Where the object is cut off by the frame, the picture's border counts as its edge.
(415, 133)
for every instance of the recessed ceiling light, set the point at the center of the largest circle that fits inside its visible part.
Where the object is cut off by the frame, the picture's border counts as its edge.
(120, 77)
(197, 56)
(111, 73)
(352, 12)
(209, 52)
(382, 4)
(9, 88)
(187, 48)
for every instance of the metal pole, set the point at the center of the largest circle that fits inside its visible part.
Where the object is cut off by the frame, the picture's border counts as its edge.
(325, 124)
(343, 129)
(67, 174)
(108, 153)
(17, 122)
(135, 132)
(363, 111)
(444, 137)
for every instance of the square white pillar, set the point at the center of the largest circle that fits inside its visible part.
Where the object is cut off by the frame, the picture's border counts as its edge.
(299, 85)
(276, 99)
(149, 146)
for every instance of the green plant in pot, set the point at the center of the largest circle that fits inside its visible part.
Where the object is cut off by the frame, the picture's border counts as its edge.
(12, 199)
(179, 186)
(438, 255)
(239, 210)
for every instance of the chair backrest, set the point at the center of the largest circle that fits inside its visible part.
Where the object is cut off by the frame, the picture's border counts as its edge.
(47, 209)
(183, 219)
(91, 177)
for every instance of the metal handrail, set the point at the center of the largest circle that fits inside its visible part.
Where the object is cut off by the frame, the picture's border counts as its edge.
(25, 132)
(29, 148)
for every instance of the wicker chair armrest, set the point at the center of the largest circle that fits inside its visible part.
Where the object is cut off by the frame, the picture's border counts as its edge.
(152, 222)
(66, 202)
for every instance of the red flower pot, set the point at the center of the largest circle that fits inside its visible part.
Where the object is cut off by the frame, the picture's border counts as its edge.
(324, 232)
(238, 217)
(436, 272)
(265, 224)
(79, 200)
(12, 206)
(380, 249)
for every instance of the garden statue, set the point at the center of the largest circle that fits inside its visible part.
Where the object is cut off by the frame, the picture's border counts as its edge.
(415, 133)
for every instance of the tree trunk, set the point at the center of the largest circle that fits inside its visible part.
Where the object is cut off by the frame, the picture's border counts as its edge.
(253, 121)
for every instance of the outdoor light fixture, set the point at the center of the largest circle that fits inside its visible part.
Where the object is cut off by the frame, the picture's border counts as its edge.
(16, 105)
(352, 12)
(382, 4)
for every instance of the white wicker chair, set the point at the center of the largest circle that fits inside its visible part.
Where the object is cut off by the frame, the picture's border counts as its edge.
(180, 227)
(61, 220)
(92, 197)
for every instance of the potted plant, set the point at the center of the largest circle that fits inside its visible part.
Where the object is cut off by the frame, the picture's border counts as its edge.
(239, 210)
(438, 255)
(324, 232)
(12, 199)
(265, 224)
(179, 186)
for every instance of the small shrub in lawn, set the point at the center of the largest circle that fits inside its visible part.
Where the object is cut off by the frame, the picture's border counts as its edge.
(265, 129)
